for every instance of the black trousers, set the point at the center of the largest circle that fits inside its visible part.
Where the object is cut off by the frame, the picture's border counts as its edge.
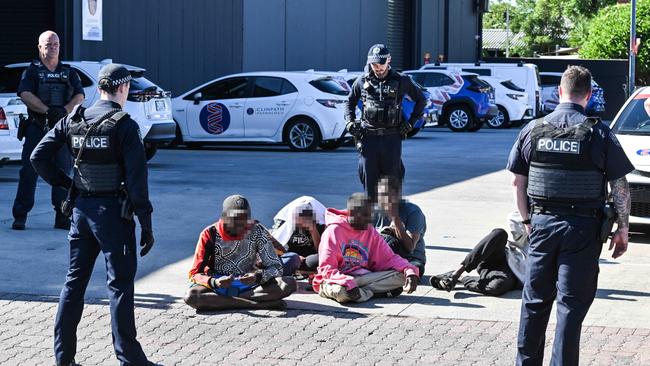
(489, 259)
(381, 155)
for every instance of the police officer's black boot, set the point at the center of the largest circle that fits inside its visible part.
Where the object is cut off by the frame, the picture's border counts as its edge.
(19, 223)
(61, 221)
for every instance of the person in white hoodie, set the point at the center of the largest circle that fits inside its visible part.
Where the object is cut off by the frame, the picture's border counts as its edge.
(499, 260)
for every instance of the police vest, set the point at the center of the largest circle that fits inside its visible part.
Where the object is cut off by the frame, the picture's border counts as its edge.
(561, 169)
(54, 88)
(98, 168)
(382, 100)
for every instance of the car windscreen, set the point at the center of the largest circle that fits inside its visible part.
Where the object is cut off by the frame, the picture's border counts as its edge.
(512, 86)
(142, 84)
(331, 86)
(9, 79)
(633, 120)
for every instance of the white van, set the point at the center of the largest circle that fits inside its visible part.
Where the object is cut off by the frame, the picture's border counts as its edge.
(525, 76)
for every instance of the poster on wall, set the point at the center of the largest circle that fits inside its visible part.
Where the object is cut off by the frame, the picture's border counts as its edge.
(92, 20)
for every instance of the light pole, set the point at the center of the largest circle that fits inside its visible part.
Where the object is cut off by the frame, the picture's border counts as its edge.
(631, 50)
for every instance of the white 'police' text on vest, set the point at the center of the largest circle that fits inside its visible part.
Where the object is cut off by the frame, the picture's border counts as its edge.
(563, 146)
(92, 142)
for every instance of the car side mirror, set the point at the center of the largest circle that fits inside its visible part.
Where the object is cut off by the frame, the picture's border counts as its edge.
(197, 97)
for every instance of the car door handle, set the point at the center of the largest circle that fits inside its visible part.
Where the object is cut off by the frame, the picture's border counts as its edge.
(235, 105)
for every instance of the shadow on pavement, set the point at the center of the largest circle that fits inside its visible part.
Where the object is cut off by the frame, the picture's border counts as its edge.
(148, 301)
(612, 294)
(450, 249)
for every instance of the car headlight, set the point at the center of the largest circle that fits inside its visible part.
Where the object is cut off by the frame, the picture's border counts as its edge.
(515, 96)
(330, 103)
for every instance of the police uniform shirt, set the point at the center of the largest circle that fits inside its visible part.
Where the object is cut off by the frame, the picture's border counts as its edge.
(130, 150)
(29, 80)
(606, 151)
(406, 87)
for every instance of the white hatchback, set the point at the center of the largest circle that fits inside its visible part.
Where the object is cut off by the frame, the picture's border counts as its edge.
(303, 110)
(632, 128)
(512, 102)
(147, 104)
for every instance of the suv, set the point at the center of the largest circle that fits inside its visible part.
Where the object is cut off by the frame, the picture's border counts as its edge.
(465, 100)
(147, 103)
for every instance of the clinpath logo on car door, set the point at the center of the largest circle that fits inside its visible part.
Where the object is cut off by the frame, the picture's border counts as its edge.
(215, 118)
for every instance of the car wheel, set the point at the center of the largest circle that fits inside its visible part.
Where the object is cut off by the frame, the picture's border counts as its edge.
(302, 134)
(413, 132)
(501, 120)
(178, 139)
(459, 118)
(331, 144)
(150, 151)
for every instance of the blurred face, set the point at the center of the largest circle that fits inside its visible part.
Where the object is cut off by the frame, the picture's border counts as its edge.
(388, 200)
(379, 69)
(305, 219)
(48, 46)
(236, 224)
(360, 214)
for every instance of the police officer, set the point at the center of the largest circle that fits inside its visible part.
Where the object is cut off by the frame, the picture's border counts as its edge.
(110, 173)
(561, 165)
(382, 128)
(50, 90)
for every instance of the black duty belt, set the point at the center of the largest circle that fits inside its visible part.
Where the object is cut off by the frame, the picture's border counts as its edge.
(381, 131)
(567, 211)
(100, 194)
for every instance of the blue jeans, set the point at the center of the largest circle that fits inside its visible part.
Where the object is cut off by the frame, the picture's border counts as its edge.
(563, 264)
(290, 263)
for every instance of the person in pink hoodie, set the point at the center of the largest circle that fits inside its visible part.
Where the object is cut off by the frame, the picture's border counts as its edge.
(355, 263)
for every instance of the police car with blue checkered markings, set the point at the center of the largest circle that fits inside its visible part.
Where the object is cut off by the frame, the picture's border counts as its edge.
(303, 110)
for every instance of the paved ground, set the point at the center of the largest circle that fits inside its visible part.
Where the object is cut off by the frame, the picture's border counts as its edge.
(457, 179)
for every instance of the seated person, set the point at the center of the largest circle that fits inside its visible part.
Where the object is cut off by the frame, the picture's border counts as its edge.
(500, 262)
(355, 261)
(224, 273)
(401, 223)
(298, 228)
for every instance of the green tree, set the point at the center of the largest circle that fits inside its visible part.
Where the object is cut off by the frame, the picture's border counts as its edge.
(608, 35)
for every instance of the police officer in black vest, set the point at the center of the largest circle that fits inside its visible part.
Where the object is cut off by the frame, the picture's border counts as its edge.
(381, 130)
(50, 90)
(110, 176)
(561, 166)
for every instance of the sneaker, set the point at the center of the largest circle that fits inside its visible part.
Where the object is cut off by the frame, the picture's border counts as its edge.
(19, 223)
(392, 293)
(61, 221)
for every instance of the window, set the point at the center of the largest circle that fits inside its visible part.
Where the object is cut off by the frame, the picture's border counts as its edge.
(484, 72)
(435, 79)
(633, 120)
(225, 89)
(330, 86)
(512, 86)
(9, 79)
(550, 80)
(271, 87)
(85, 80)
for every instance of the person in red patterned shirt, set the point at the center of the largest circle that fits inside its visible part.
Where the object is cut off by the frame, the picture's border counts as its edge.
(225, 273)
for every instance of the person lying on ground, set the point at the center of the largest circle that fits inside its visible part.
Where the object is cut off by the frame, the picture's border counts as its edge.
(298, 226)
(401, 223)
(355, 263)
(500, 262)
(224, 274)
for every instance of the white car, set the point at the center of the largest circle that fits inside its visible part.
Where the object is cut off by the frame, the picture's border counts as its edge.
(512, 102)
(632, 128)
(147, 103)
(10, 110)
(304, 110)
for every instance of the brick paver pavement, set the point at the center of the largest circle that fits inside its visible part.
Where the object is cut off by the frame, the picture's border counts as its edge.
(173, 334)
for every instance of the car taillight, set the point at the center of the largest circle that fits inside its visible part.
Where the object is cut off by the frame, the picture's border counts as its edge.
(330, 103)
(142, 96)
(4, 125)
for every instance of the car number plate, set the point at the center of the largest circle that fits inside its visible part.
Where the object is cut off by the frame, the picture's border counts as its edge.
(160, 105)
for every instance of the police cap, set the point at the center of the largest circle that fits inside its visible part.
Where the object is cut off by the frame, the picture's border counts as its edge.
(112, 75)
(378, 54)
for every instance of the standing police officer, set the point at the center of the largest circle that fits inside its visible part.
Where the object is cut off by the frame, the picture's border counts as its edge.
(562, 164)
(382, 126)
(110, 173)
(50, 90)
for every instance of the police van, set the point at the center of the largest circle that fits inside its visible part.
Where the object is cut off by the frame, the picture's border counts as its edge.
(147, 104)
(523, 75)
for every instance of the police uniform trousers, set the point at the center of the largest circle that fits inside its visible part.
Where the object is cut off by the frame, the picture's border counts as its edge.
(97, 227)
(563, 264)
(381, 155)
(24, 201)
